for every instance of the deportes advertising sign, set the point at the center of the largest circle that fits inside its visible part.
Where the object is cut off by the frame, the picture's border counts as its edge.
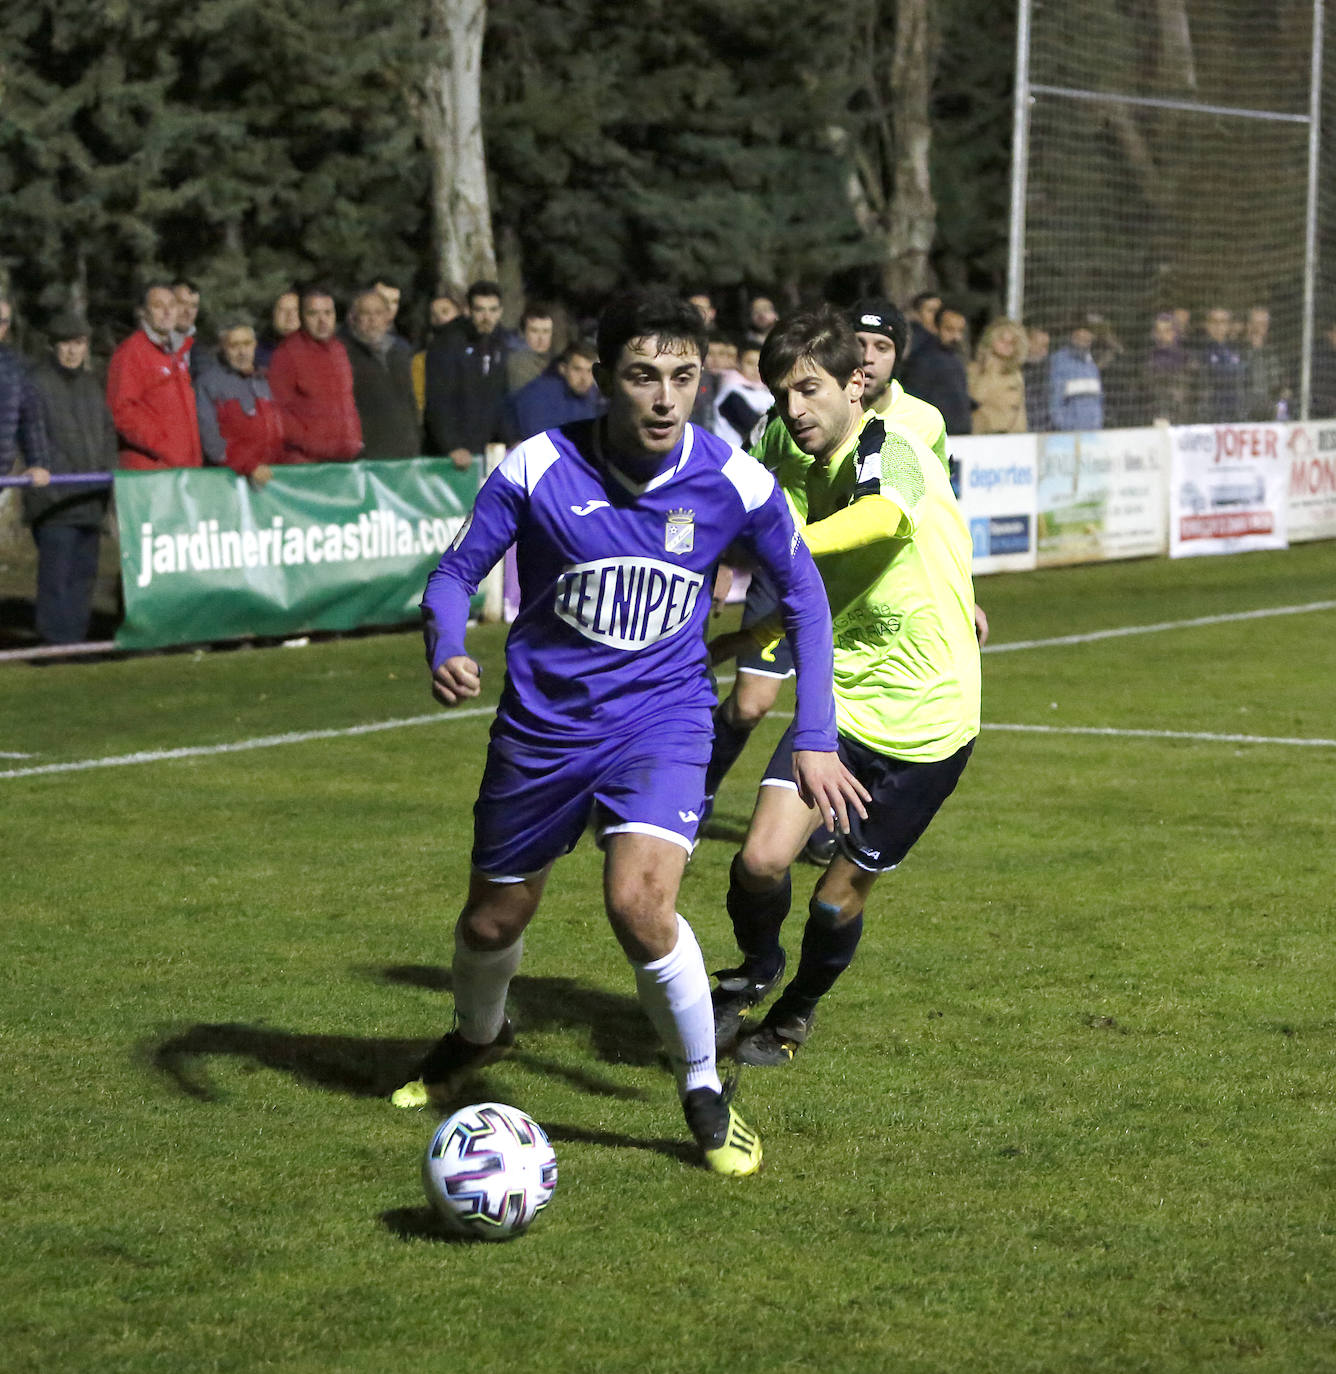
(997, 498)
(207, 555)
(1310, 452)
(1229, 490)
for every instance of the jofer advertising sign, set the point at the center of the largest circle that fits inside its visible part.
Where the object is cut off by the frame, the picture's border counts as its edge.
(1230, 489)
(207, 555)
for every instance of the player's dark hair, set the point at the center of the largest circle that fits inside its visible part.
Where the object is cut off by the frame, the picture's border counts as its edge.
(822, 336)
(651, 314)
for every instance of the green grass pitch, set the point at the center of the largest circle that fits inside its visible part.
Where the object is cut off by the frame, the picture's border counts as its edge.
(1071, 1109)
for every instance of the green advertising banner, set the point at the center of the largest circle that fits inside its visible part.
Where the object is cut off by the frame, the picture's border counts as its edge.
(208, 555)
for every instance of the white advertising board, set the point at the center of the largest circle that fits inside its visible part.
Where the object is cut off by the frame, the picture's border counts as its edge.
(1310, 451)
(997, 498)
(1229, 491)
(1102, 496)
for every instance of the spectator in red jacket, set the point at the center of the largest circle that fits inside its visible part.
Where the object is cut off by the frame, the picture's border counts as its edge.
(312, 381)
(149, 392)
(240, 427)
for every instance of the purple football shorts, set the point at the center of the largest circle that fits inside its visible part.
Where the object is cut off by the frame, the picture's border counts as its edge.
(535, 802)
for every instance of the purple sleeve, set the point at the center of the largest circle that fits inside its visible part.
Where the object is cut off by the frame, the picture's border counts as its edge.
(806, 614)
(487, 534)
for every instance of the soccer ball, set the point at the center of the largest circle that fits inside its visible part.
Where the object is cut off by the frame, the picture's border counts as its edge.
(489, 1171)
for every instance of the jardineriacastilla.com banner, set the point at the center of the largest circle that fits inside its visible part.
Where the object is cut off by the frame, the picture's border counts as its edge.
(208, 555)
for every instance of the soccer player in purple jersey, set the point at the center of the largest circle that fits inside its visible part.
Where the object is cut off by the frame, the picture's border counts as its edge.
(606, 709)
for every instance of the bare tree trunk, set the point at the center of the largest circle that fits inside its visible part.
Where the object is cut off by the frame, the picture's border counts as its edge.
(450, 116)
(911, 221)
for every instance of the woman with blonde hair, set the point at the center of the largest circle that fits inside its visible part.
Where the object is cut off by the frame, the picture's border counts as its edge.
(997, 386)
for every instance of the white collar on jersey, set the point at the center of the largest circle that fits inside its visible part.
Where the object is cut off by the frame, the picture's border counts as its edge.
(659, 479)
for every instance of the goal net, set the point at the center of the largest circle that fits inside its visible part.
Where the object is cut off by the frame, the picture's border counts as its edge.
(1164, 168)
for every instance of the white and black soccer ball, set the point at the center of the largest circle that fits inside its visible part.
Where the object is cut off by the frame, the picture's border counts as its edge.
(489, 1170)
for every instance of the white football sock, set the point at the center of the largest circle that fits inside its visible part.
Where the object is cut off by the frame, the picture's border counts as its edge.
(482, 979)
(675, 993)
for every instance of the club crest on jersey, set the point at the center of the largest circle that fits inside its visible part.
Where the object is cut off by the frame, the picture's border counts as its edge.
(679, 534)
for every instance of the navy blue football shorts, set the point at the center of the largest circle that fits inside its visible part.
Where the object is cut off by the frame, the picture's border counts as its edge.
(905, 798)
(536, 802)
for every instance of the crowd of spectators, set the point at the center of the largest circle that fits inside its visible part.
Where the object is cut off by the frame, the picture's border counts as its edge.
(306, 387)
(1221, 368)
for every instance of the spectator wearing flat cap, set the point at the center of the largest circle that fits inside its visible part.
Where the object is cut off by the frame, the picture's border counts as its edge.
(66, 518)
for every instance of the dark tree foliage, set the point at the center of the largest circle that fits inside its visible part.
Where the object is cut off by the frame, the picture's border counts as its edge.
(688, 143)
(971, 150)
(250, 144)
(243, 145)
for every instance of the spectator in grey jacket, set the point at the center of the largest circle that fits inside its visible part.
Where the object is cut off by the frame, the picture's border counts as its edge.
(382, 381)
(66, 519)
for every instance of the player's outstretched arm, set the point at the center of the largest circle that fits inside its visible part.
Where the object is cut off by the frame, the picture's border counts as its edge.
(824, 782)
(457, 679)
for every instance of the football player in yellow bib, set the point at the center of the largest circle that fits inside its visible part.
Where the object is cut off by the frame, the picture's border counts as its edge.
(876, 508)
(883, 335)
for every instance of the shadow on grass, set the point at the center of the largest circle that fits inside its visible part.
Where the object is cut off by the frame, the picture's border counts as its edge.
(421, 1223)
(618, 1030)
(339, 1063)
(344, 1063)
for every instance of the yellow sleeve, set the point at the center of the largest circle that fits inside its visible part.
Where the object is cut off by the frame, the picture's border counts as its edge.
(420, 380)
(860, 523)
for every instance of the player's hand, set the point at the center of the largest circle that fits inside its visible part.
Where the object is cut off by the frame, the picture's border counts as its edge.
(980, 625)
(40, 477)
(824, 782)
(723, 647)
(456, 680)
(262, 475)
(723, 584)
(461, 458)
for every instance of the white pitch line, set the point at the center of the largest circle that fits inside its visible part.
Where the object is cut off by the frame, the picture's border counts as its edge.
(1155, 629)
(1206, 736)
(198, 751)
(302, 736)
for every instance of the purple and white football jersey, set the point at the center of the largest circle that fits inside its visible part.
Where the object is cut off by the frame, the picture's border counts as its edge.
(615, 584)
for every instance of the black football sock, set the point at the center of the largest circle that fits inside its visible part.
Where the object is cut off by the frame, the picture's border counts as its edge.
(828, 949)
(730, 739)
(757, 918)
